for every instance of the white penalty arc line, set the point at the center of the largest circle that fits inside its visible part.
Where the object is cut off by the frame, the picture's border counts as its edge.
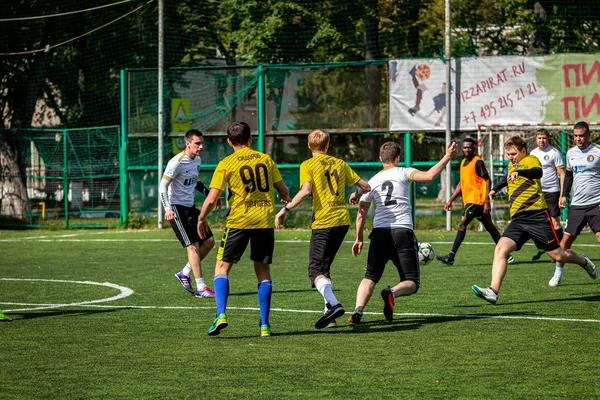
(124, 292)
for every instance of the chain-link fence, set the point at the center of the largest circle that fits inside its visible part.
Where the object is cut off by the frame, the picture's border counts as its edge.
(61, 178)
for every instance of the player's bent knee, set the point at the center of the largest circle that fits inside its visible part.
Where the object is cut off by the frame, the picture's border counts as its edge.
(411, 287)
(560, 255)
(209, 243)
(416, 287)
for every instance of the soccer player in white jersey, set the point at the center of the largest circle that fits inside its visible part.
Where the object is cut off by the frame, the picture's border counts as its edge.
(552, 181)
(583, 176)
(176, 190)
(392, 237)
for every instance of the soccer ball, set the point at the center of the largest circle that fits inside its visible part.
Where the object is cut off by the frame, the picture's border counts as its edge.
(423, 72)
(426, 253)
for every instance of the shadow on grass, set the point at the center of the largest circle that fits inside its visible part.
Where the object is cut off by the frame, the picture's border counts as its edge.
(57, 313)
(280, 291)
(580, 284)
(594, 298)
(381, 325)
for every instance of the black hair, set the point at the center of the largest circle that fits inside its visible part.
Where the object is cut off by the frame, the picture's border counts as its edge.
(239, 133)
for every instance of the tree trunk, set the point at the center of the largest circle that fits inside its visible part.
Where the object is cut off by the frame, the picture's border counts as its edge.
(13, 193)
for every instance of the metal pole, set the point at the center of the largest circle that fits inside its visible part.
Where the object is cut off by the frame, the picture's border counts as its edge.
(66, 176)
(447, 56)
(160, 105)
(407, 164)
(123, 186)
(260, 93)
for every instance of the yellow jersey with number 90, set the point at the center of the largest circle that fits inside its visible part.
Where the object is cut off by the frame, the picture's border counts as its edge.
(250, 175)
(329, 177)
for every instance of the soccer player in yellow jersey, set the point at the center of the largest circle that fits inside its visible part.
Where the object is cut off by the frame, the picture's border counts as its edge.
(251, 176)
(325, 178)
(530, 218)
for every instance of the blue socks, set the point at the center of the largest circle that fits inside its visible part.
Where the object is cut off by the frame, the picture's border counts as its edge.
(265, 288)
(221, 283)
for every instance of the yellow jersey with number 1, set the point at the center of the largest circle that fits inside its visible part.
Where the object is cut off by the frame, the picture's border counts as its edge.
(250, 175)
(329, 177)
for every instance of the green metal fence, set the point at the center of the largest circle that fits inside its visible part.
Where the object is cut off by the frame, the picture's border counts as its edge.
(64, 178)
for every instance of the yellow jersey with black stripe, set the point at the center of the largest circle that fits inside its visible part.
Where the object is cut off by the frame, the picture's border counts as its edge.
(525, 194)
(250, 175)
(329, 177)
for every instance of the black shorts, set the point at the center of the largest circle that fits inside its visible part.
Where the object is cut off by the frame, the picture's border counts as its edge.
(534, 225)
(579, 216)
(399, 245)
(185, 225)
(471, 211)
(235, 241)
(324, 245)
(552, 202)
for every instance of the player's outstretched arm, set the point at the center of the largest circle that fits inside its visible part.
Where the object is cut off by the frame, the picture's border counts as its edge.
(437, 169)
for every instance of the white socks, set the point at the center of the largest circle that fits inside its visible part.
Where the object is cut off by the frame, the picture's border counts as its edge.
(323, 285)
(558, 271)
(187, 270)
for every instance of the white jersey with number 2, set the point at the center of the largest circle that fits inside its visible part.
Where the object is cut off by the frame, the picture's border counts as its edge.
(389, 192)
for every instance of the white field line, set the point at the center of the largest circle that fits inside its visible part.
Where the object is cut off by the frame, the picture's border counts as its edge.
(59, 239)
(126, 292)
(34, 238)
(421, 315)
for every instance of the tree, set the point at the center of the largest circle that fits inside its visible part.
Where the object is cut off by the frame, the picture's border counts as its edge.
(61, 70)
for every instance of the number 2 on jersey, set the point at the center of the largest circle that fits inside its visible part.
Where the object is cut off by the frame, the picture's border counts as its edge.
(328, 175)
(389, 186)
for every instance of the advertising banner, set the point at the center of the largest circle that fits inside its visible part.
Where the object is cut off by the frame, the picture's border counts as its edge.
(494, 90)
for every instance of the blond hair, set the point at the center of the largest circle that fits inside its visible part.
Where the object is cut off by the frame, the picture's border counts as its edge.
(318, 140)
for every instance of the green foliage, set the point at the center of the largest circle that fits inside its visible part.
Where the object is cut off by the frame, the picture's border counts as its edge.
(136, 222)
(77, 76)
